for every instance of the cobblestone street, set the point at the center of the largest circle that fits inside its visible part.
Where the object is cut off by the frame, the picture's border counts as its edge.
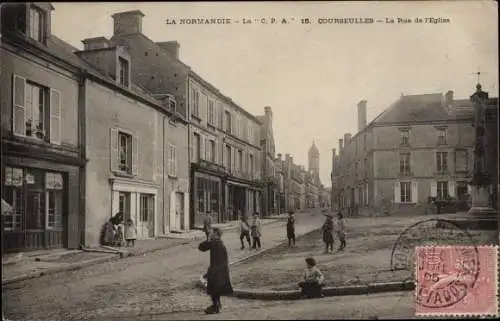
(159, 282)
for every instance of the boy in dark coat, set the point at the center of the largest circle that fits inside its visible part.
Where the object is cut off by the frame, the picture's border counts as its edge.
(290, 229)
(218, 279)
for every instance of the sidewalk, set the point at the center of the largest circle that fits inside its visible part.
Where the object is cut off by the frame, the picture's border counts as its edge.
(27, 265)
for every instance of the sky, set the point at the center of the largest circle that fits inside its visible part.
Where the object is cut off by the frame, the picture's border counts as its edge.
(313, 75)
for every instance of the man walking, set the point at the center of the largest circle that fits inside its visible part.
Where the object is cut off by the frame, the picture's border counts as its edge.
(244, 231)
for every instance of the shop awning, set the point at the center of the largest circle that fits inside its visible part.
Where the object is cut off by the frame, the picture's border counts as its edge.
(6, 207)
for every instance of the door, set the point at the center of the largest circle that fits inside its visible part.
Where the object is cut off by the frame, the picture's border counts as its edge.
(145, 221)
(179, 210)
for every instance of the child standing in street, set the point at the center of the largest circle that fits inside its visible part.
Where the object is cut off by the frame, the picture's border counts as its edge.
(290, 229)
(256, 232)
(328, 234)
(244, 231)
(119, 236)
(313, 280)
(130, 232)
(341, 230)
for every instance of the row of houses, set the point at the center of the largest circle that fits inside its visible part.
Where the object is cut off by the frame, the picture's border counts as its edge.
(418, 150)
(120, 126)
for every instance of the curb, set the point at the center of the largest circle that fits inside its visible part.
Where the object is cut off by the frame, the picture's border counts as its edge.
(274, 295)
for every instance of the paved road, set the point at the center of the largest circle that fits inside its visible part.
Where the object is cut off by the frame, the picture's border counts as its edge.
(398, 305)
(159, 282)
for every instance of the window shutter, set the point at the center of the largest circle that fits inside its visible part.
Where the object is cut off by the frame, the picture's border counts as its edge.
(113, 145)
(202, 147)
(174, 160)
(434, 189)
(55, 117)
(216, 156)
(19, 105)
(169, 159)
(191, 147)
(414, 192)
(397, 192)
(244, 161)
(135, 155)
(232, 158)
(451, 188)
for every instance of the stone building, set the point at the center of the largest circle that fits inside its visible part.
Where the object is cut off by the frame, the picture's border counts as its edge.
(312, 181)
(418, 148)
(42, 156)
(280, 174)
(294, 184)
(224, 139)
(270, 194)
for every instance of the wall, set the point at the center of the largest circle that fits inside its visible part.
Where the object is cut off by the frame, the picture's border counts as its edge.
(45, 74)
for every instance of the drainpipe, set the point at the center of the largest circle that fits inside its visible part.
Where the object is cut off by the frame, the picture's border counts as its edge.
(163, 172)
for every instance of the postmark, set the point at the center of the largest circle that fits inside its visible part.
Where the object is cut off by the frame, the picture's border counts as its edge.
(456, 280)
(428, 232)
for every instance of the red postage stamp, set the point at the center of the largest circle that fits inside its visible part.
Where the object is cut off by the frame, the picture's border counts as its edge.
(456, 280)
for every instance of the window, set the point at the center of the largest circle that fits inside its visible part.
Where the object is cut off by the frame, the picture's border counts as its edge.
(146, 207)
(36, 24)
(250, 133)
(404, 163)
(172, 160)
(227, 116)
(125, 152)
(240, 160)
(36, 111)
(211, 113)
(196, 147)
(211, 151)
(228, 157)
(251, 165)
(404, 137)
(195, 102)
(172, 104)
(365, 166)
(442, 190)
(442, 161)
(123, 68)
(461, 161)
(441, 136)
(54, 186)
(405, 192)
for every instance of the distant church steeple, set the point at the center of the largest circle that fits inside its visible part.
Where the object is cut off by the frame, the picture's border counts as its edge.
(313, 156)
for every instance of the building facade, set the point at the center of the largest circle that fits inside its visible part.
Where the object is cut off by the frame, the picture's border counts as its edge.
(269, 176)
(42, 159)
(223, 138)
(418, 149)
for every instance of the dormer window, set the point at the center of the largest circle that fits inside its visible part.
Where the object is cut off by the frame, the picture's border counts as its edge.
(123, 72)
(172, 104)
(36, 24)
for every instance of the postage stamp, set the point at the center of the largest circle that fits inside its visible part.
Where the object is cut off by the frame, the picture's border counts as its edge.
(456, 280)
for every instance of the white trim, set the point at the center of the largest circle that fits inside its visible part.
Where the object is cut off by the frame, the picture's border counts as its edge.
(132, 188)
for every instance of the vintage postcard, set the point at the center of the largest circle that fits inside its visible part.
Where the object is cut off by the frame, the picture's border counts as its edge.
(249, 160)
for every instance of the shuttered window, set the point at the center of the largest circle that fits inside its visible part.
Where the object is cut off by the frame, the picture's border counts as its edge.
(172, 160)
(125, 153)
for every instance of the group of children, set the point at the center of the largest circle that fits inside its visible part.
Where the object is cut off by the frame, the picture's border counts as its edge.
(118, 233)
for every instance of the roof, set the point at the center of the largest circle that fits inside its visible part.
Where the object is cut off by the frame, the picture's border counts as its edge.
(313, 149)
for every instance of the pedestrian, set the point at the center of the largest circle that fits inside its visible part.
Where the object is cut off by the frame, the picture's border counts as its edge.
(328, 234)
(207, 224)
(130, 232)
(244, 231)
(120, 234)
(290, 229)
(108, 234)
(341, 230)
(217, 276)
(256, 231)
(313, 280)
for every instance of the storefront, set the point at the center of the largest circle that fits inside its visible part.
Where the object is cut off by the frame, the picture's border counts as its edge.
(207, 198)
(44, 206)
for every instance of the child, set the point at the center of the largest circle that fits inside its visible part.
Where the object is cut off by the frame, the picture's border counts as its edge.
(290, 229)
(244, 231)
(256, 232)
(130, 232)
(207, 224)
(313, 280)
(119, 236)
(341, 230)
(109, 234)
(328, 234)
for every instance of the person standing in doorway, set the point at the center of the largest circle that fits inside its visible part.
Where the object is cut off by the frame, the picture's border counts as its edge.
(130, 232)
(290, 229)
(207, 224)
(244, 231)
(256, 231)
(217, 276)
(341, 231)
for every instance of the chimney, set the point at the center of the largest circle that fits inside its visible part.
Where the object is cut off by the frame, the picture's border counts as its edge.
(361, 115)
(268, 112)
(128, 22)
(334, 154)
(95, 43)
(172, 47)
(448, 98)
(341, 145)
(347, 139)
(279, 156)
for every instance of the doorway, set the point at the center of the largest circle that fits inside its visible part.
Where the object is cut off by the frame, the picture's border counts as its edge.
(179, 211)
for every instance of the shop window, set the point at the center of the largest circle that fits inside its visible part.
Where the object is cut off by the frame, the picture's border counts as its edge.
(124, 204)
(146, 207)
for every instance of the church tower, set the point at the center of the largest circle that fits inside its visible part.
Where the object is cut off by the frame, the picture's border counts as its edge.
(313, 156)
